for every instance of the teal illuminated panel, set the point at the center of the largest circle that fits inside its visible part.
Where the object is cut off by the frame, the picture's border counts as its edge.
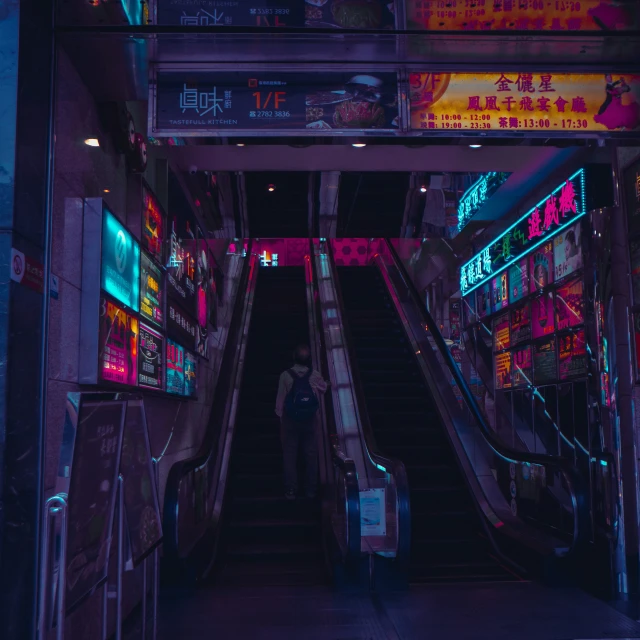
(120, 262)
(562, 207)
(477, 194)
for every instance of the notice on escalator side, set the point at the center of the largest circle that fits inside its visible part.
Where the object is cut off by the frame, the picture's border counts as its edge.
(373, 520)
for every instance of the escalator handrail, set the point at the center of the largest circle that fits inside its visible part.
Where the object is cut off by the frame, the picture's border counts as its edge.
(393, 466)
(209, 445)
(346, 465)
(574, 479)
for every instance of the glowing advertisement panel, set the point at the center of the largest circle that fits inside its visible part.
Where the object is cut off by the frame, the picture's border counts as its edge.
(567, 252)
(120, 262)
(477, 194)
(522, 367)
(572, 354)
(503, 370)
(190, 374)
(551, 215)
(543, 102)
(570, 304)
(541, 267)
(175, 368)
(545, 368)
(501, 338)
(499, 292)
(151, 291)
(520, 324)
(153, 224)
(483, 300)
(542, 315)
(150, 373)
(118, 344)
(518, 280)
(516, 15)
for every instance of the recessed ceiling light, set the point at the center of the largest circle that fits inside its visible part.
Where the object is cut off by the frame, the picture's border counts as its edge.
(475, 146)
(358, 145)
(240, 144)
(92, 142)
(423, 189)
(107, 190)
(271, 188)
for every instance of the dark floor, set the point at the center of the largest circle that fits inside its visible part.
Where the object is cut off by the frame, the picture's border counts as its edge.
(521, 611)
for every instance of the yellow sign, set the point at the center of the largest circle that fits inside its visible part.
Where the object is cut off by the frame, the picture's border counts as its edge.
(521, 15)
(551, 102)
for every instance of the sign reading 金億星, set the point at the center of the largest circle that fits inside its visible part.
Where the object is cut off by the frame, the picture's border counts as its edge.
(552, 214)
(516, 15)
(545, 102)
(120, 262)
(477, 194)
(193, 103)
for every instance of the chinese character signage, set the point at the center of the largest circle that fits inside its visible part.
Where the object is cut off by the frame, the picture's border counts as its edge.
(545, 368)
(175, 368)
(541, 267)
(544, 102)
(153, 222)
(120, 262)
(151, 351)
(190, 374)
(191, 103)
(553, 214)
(501, 338)
(554, 16)
(522, 367)
(570, 304)
(477, 194)
(520, 324)
(503, 370)
(180, 326)
(567, 252)
(518, 280)
(181, 268)
(118, 344)
(151, 293)
(542, 315)
(572, 354)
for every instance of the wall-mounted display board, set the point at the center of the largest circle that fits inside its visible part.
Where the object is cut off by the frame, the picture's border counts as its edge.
(190, 374)
(570, 304)
(541, 267)
(501, 335)
(151, 291)
(118, 344)
(503, 370)
(500, 292)
(483, 300)
(150, 358)
(556, 17)
(545, 367)
(196, 103)
(203, 298)
(181, 268)
(542, 315)
(88, 473)
(632, 197)
(180, 326)
(518, 280)
(552, 103)
(520, 324)
(153, 224)
(522, 367)
(572, 355)
(175, 368)
(567, 252)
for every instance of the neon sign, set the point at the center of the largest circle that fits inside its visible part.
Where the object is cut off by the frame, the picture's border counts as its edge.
(477, 194)
(552, 214)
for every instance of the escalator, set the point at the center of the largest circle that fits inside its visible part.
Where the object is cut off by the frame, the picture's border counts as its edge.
(449, 542)
(266, 539)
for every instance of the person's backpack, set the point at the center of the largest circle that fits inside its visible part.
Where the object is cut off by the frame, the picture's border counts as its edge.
(301, 402)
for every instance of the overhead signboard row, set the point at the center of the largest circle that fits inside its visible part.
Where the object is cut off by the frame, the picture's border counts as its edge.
(223, 103)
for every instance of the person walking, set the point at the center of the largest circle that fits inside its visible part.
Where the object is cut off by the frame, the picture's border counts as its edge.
(299, 392)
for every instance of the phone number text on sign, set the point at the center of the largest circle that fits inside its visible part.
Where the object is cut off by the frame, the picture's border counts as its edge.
(524, 102)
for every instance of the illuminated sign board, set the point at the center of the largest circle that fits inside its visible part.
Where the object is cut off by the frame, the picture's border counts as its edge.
(181, 269)
(519, 15)
(153, 223)
(180, 326)
(175, 368)
(150, 358)
(543, 102)
(118, 344)
(190, 374)
(151, 293)
(552, 214)
(477, 194)
(120, 262)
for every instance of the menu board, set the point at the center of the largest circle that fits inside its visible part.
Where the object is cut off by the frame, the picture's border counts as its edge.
(572, 354)
(175, 368)
(150, 373)
(634, 250)
(151, 292)
(118, 344)
(499, 295)
(190, 374)
(540, 102)
(120, 276)
(544, 361)
(197, 101)
(570, 304)
(503, 370)
(181, 270)
(522, 367)
(96, 438)
(541, 267)
(153, 224)
(518, 280)
(501, 332)
(520, 324)
(567, 251)
(180, 326)
(483, 300)
(542, 315)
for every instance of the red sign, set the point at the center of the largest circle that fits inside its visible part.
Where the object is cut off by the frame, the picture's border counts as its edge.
(152, 225)
(118, 344)
(27, 271)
